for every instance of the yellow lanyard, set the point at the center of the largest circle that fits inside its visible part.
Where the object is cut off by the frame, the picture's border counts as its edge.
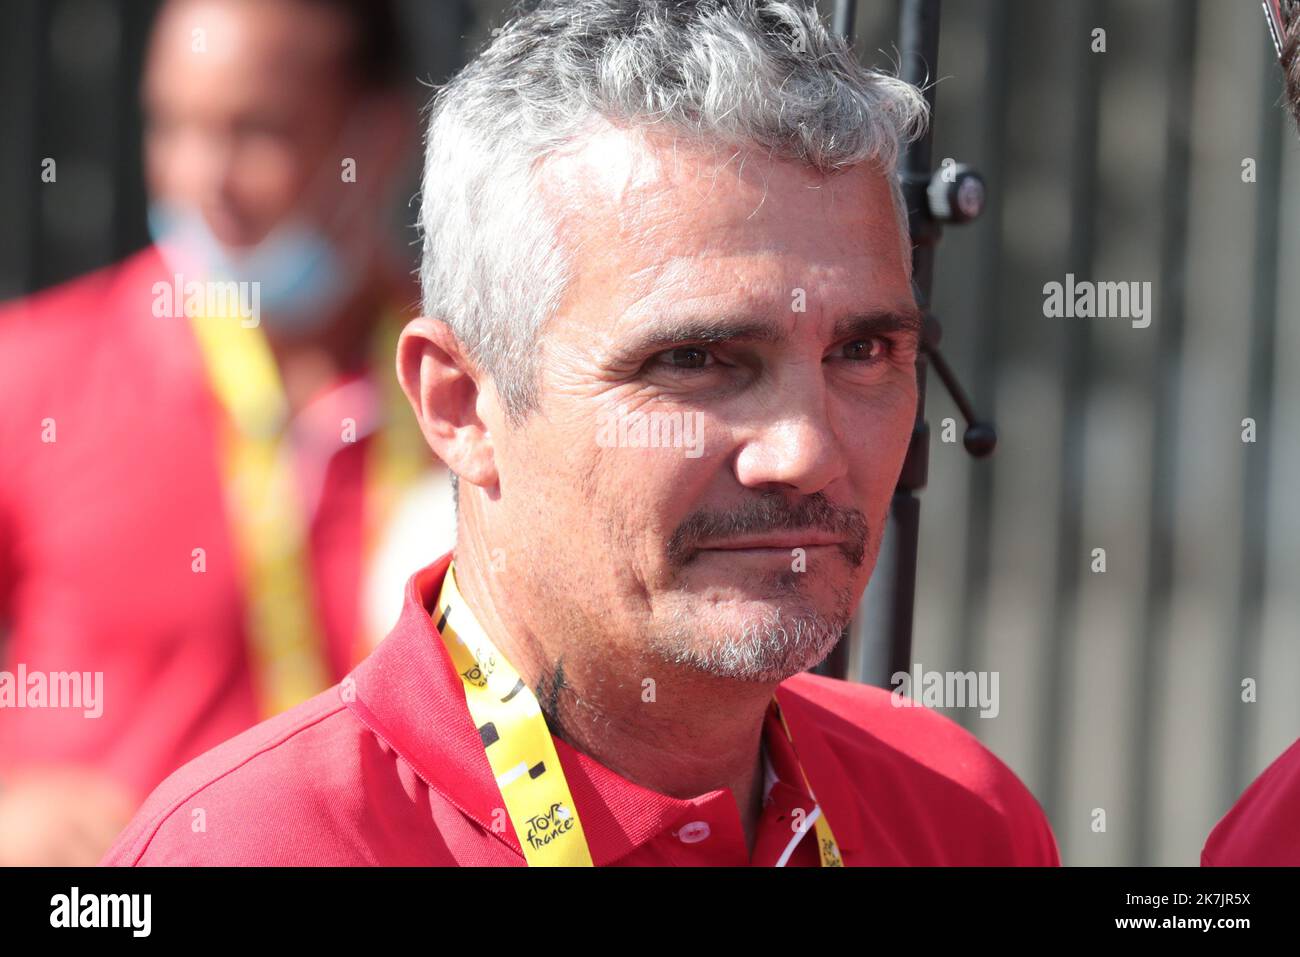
(521, 751)
(271, 529)
(828, 849)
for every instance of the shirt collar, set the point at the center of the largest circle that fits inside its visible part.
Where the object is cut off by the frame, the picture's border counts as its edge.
(409, 694)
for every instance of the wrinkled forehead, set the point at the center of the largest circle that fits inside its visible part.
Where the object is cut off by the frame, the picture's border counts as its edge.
(624, 173)
(637, 208)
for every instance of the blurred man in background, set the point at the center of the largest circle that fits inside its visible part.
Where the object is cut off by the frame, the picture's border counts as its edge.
(201, 483)
(1263, 827)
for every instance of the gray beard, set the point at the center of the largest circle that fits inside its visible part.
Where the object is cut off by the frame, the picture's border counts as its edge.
(766, 649)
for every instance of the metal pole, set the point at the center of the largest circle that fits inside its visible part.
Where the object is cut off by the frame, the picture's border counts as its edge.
(842, 18)
(918, 30)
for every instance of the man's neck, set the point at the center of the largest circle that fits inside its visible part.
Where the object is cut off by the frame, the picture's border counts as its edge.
(668, 729)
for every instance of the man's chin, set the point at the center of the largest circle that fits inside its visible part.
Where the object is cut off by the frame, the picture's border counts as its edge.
(759, 666)
(763, 644)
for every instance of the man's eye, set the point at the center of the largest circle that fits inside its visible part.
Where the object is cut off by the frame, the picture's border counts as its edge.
(685, 357)
(866, 350)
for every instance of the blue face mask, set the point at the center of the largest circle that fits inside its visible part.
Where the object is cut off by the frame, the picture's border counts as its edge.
(302, 276)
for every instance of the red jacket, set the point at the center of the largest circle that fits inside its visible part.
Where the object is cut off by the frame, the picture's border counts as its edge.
(387, 768)
(98, 530)
(1263, 827)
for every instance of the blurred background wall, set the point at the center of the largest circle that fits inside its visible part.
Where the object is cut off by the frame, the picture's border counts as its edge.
(1119, 691)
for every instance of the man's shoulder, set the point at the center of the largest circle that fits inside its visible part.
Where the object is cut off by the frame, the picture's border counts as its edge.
(932, 772)
(1263, 827)
(287, 790)
(37, 330)
(83, 297)
(859, 719)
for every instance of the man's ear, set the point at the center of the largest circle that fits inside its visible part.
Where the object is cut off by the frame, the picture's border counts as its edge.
(443, 388)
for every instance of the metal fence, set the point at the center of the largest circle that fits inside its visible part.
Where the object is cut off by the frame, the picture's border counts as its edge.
(1165, 159)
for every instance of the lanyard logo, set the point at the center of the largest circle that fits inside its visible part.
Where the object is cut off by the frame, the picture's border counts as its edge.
(544, 828)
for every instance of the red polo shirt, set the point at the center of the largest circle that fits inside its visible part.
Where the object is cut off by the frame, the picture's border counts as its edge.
(387, 768)
(1263, 828)
(98, 528)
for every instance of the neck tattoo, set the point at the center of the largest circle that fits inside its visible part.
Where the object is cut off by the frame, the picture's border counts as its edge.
(548, 697)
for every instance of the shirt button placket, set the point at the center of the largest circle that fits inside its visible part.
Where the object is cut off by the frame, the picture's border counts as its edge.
(694, 832)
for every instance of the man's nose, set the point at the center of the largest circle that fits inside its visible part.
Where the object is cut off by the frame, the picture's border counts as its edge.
(797, 446)
(199, 167)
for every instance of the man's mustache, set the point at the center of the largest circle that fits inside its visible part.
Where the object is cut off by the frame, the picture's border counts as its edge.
(770, 512)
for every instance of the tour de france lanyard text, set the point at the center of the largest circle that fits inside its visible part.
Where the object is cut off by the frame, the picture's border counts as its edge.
(522, 753)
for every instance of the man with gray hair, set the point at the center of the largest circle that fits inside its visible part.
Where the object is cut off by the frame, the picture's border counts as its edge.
(668, 350)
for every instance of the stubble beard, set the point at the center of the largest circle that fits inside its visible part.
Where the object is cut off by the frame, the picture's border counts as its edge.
(783, 638)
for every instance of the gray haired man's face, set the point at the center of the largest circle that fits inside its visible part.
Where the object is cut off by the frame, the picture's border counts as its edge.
(726, 397)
